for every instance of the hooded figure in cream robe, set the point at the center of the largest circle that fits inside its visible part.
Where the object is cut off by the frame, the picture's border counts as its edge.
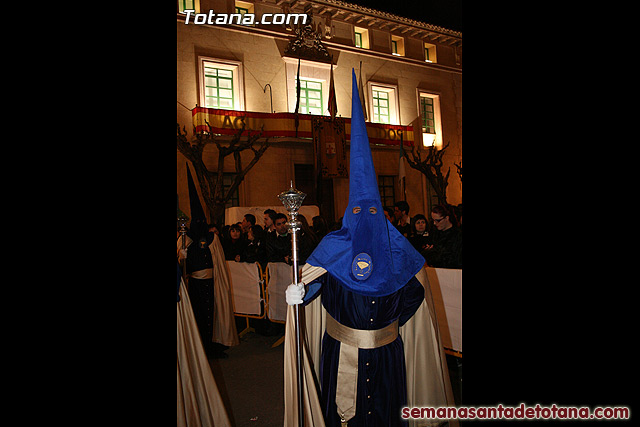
(368, 278)
(209, 286)
(199, 401)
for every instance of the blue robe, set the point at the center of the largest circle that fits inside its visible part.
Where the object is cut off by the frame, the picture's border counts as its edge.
(380, 399)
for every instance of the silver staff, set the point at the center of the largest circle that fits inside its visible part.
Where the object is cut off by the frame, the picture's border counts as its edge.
(292, 199)
(182, 221)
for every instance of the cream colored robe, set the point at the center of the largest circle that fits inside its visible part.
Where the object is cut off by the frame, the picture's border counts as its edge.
(428, 381)
(224, 323)
(199, 400)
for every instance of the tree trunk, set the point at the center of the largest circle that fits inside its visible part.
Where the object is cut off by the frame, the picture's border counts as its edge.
(211, 182)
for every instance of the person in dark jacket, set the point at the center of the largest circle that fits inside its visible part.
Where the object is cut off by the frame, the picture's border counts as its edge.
(420, 237)
(445, 250)
(278, 244)
(255, 250)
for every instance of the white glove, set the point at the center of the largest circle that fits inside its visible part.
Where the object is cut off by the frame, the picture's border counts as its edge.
(294, 294)
(182, 254)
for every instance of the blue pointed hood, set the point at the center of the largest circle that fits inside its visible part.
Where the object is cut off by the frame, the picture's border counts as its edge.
(368, 255)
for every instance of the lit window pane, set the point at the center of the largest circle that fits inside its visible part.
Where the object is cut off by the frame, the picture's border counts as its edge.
(225, 93)
(226, 103)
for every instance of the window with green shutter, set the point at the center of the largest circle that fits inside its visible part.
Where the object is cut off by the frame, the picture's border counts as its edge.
(427, 113)
(310, 97)
(358, 39)
(186, 5)
(218, 88)
(380, 106)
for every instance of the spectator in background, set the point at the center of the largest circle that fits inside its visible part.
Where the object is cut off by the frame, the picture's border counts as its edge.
(445, 250)
(234, 245)
(269, 218)
(248, 221)
(403, 221)
(420, 238)
(255, 249)
(388, 212)
(307, 240)
(278, 243)
(319, 226)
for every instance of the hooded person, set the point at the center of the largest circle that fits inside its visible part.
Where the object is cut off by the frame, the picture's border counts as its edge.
(199, 402)
(365, 274)
(208, 283)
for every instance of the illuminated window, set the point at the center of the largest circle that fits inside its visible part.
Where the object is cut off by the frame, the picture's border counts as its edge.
(361, 37)
(314, 89)
(380, 106)
(310, 97)
(383, 100)
(221, 84)
(429, 109)
(186, 5)
(218, 88)
(242, 7)
(430, 53)
(397, 45)
(427, 114)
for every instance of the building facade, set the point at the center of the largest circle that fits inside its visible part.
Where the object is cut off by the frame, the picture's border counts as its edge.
(411, 73)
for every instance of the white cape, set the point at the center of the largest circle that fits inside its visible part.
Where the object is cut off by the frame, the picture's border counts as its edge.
(199, 400)
(224, 323)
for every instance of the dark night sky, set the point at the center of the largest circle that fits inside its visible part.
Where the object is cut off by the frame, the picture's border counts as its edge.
(444, 13)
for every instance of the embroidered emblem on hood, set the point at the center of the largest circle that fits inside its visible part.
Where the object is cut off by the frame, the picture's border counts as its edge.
(361, 266)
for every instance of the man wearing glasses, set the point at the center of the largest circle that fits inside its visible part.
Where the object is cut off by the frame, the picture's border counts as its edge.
(446, 250)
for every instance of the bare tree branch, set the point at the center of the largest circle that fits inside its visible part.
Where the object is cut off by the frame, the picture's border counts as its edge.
(431, 168)
(211, 182)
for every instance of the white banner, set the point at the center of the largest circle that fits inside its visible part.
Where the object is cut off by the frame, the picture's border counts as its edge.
(280, 276)
(245, 286)
(446, 287)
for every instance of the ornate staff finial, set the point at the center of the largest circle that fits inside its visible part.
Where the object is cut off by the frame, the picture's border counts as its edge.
(292, 200)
